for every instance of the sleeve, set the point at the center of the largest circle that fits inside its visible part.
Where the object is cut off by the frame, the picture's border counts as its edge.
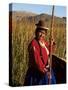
(49, 47)
(37, 59)
(47, 44)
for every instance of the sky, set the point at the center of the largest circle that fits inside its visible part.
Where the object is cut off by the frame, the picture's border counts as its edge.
(59, 11)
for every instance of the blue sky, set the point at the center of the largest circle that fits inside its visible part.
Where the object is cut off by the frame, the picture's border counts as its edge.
(60, 11)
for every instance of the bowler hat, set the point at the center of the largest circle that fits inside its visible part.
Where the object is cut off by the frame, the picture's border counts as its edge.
(41, 25)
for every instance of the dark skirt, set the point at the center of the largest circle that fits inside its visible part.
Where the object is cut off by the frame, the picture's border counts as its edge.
(34, 77)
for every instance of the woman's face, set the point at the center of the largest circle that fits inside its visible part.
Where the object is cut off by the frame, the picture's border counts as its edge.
(41, 34)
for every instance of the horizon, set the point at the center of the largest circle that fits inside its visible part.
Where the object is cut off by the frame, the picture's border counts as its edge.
(60, 11)
(38, 13)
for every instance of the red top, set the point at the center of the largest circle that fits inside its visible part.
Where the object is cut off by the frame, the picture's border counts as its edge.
(38, 55)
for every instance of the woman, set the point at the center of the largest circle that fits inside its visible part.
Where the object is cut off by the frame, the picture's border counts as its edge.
(38, 71)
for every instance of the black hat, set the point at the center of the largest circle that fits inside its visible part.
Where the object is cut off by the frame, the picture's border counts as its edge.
(41, 25)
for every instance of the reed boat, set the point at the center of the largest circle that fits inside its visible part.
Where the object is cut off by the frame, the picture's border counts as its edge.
(59, 67)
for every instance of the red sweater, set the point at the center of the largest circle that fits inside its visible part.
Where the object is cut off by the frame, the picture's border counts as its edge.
(38, 55)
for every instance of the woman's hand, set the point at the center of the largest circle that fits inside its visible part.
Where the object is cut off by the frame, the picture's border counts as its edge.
(45, 70)
(47, 66)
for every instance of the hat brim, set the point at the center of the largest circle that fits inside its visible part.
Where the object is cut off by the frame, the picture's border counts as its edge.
(45, 28)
